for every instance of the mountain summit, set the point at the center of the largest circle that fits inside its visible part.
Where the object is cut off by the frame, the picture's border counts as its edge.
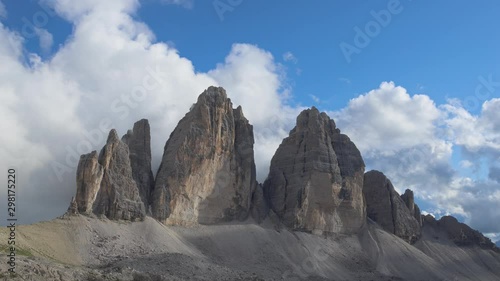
(315, 181)
(207, 174)
(317, 216)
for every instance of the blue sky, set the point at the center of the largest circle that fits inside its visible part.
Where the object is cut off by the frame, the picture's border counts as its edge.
(274, 58)
(437, 48)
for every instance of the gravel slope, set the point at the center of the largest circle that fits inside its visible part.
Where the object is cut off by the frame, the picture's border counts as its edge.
(82, 248)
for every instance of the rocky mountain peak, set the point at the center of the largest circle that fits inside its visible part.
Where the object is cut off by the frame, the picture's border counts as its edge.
(138, 141)
(207, 173)
(105, 185)
(238, 113)
(316, 178)
(212, 98)
(409, 200)
(312, 119)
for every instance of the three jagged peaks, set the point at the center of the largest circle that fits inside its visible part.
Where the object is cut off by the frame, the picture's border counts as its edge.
(316, 183)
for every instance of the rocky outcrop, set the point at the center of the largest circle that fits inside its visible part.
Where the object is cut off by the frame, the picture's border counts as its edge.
(409, 200)
(138, 141)
(73, 207)
(316, 178)
(118, 197)
(385, 206)
(105, 185)
(88, 181)
(207, 173)
(460, 233)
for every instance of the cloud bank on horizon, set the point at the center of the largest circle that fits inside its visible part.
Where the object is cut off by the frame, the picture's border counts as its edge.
(112, 72)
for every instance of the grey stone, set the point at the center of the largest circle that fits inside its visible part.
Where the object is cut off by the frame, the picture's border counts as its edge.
(409, 199)
(385, 206)
(429, 220)
(463, 235)
(118, 196)
(260, 208)
(138, 141)
(316, 178)
(88, 181)
(207, 173)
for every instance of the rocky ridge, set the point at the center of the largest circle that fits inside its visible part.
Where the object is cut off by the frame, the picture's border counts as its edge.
(316, 181)
(388, 209)
(460, 233)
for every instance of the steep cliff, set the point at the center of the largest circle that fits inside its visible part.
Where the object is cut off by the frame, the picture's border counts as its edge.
(105, 185)
(207, 173)
(138, 141)
(316, 178)
(385, 206)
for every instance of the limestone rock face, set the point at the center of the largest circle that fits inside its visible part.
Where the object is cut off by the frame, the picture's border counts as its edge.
(207, 173)
(316, 178)
(385, 206)
(105, 185)
(138, 141)
(118, 196)
(88, 181)
(409, 200)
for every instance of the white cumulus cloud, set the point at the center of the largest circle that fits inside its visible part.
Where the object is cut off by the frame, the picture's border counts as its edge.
(412, 141)
(110, 73)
